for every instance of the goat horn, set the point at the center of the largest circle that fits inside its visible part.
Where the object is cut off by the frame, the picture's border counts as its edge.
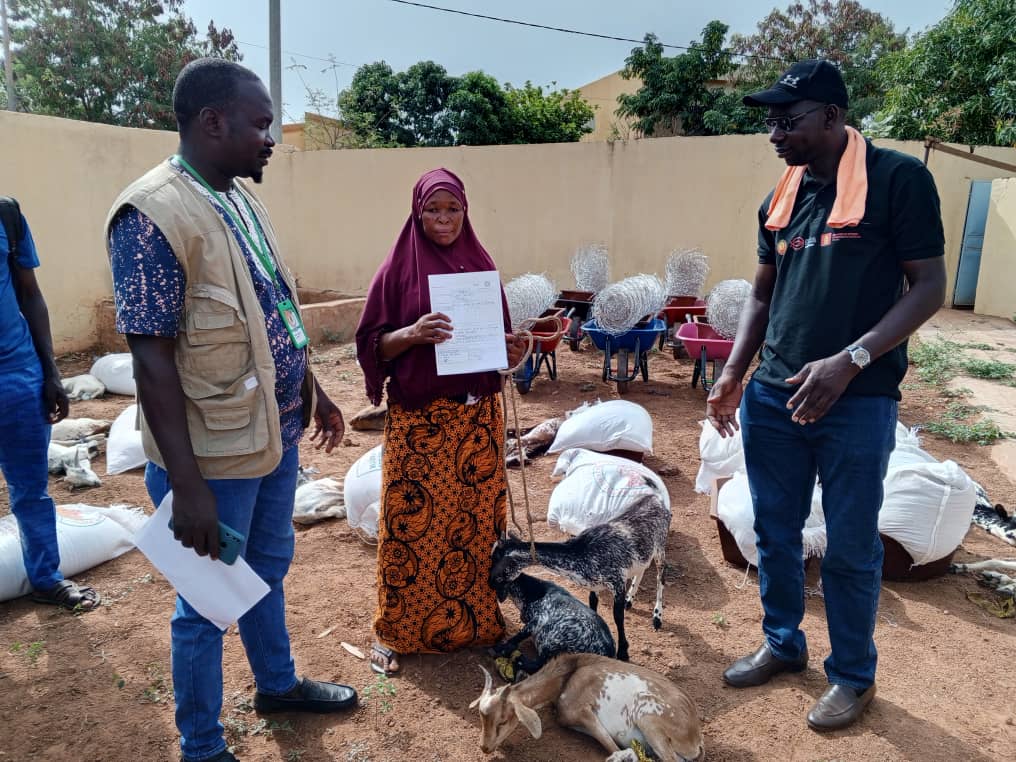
(488, 681)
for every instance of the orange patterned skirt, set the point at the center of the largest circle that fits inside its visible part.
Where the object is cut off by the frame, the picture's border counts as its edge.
(442, 509)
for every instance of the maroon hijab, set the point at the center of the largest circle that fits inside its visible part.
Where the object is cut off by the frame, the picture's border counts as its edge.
(399, 295)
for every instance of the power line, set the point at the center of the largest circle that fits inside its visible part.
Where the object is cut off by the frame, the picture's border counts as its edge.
(575, 31)
(301, 55)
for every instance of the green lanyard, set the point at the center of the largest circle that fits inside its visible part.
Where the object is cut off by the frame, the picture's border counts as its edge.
(260, 250)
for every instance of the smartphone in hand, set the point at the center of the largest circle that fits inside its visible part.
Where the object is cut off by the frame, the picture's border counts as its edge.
(230, 542)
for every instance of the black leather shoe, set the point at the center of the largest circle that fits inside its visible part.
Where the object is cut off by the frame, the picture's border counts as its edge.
(223, 756)
(760, 667)
(839, 707)
(308, 696)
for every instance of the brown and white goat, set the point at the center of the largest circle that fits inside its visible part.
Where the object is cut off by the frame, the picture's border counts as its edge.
(614, 703)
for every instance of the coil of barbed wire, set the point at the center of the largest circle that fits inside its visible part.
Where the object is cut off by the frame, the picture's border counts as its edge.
(529, 296)
(620, 306)
(591, 267)
(687, 270)
(725, 304)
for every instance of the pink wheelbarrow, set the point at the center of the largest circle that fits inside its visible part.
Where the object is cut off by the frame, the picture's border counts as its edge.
(707, 346)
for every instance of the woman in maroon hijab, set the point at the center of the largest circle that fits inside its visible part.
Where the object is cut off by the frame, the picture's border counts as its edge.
(443, 478)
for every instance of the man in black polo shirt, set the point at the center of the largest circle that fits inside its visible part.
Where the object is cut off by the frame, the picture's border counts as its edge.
(850, 264)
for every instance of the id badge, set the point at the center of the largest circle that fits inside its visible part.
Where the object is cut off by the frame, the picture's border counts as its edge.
(291, 319)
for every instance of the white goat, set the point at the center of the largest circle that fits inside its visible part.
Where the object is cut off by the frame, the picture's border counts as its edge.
(614, 703)
(75, 463)
(317, 500)
(74, 430)
(83, 387)
(992, 573)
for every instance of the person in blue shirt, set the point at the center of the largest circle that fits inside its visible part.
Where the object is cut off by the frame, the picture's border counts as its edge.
(33, 400)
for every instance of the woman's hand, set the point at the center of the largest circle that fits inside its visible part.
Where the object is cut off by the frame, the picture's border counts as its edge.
(432, 328)
(516, 347)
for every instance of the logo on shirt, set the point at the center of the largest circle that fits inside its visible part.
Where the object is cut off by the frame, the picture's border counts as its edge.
(797, 243)
(827, 239)
(781, 247)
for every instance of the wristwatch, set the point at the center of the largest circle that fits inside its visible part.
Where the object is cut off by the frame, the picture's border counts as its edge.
(859, 356)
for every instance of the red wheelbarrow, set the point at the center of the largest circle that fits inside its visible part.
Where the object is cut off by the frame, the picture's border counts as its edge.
(547, 330)
(677, 310)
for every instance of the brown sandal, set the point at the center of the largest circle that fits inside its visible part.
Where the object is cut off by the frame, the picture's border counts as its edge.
(70, 596)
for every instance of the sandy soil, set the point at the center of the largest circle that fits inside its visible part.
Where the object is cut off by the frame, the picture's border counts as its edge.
(98, 686)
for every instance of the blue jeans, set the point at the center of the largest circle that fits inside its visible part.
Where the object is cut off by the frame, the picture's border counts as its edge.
(24, 440)
(262, 510)
(848, 449)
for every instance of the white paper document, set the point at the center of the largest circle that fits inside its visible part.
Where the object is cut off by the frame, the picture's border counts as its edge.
(221, 593)
(473, 302)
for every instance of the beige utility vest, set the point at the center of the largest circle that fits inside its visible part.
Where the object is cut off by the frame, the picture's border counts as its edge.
(225, 363)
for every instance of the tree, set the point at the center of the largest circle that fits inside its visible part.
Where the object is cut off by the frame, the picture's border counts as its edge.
(478, 111)
(425, 106)
(957, 81)
(370, 105)
(842, 31)
(675, 95)
(424, 89)
(110, 61)
(559, 116)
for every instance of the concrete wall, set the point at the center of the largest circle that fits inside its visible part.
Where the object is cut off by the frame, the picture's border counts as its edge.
(996, 283)
(338, 212)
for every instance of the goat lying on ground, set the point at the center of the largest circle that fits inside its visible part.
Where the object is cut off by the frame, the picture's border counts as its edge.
(74, 430)
(992, 574)
(557, 621)
(595, 695)
(75, 463)
(993, 518)
(83, 387)
(603, 557)
(533, 442)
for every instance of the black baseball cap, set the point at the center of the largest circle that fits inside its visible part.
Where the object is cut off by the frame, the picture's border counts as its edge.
(810, 80)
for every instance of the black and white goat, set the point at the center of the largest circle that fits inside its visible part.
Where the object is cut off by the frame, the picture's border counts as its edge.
(556, 620)
(993, 518)
(996, 574)
(611, 557)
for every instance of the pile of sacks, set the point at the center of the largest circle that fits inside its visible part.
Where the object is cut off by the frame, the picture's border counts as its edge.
(927, 507)
(596, 485)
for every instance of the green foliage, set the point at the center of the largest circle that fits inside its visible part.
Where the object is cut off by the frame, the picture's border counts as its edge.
(842, 31)
(380, 693)
(936, 359)
(107, 61)
(558, 116)
(993, 370)
(478, 111)
(675, 94)
(424, 106)
(956, 426)
(957, 81)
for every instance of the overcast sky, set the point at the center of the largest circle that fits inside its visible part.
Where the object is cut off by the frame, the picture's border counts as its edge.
(363, 31)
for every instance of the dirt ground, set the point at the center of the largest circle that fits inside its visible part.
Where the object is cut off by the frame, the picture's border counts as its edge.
(98, 686)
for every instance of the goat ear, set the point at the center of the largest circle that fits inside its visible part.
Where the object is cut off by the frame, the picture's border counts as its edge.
(475, 703)
(528, 717)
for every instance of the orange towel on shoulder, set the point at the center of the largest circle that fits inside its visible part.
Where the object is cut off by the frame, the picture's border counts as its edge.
(851, 188)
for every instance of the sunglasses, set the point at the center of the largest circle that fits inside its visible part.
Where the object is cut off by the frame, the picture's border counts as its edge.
(786, 123)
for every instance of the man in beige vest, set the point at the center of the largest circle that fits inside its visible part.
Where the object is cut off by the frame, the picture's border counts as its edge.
(211, 317)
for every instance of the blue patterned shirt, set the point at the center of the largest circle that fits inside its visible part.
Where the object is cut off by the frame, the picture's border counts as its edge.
(149, 285)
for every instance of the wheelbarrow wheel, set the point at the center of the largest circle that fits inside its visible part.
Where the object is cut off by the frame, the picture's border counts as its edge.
(523, 387)
(622, 370)
(575, 335)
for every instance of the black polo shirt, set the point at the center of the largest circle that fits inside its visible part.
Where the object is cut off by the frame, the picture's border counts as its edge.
(834, 284)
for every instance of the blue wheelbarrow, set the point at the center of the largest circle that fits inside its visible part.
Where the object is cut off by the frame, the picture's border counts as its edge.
(631, 349)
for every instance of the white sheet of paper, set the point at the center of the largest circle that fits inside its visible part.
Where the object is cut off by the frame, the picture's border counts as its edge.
(221, 593)
(473, 302)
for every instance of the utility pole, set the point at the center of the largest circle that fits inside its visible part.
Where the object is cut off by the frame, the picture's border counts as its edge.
(274, 65)
(12, 94)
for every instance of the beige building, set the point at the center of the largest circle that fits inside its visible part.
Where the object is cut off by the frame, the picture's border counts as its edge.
(338, 212)
(316, 133)
(602, 95)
